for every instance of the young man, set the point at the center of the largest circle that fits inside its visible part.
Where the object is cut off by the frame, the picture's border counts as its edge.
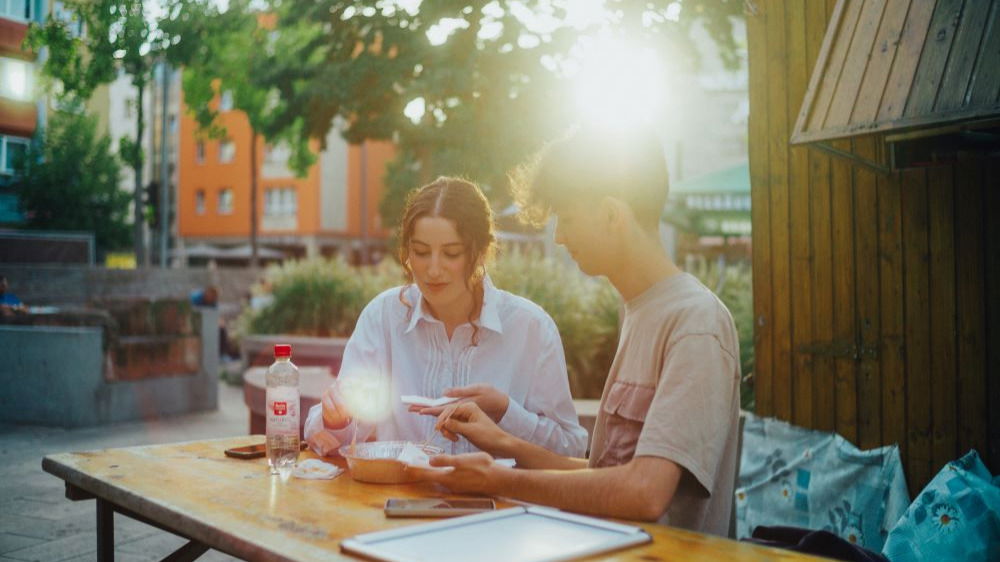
(665, 441)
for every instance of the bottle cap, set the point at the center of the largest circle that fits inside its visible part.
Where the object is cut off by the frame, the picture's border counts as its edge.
(282, 350)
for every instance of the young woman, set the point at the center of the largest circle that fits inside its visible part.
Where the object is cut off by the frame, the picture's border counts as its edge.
(449, 332)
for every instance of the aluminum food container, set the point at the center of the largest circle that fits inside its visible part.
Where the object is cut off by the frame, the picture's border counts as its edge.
(376, 463)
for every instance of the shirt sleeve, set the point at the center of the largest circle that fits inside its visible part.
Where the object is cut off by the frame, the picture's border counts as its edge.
(689, 419)
(365, 355)
(548, 418)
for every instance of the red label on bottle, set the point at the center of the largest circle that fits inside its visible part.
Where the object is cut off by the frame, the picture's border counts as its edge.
(280, 408)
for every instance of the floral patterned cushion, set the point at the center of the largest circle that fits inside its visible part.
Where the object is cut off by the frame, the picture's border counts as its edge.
(956, 517)
(796, 477)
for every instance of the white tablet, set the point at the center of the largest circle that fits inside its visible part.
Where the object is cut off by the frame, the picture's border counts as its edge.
(529, 534)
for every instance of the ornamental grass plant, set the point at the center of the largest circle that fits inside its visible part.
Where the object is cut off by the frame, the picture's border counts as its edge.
(324, 297)
(585, 309)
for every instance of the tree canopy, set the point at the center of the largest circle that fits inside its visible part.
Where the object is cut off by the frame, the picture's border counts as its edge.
(69, 181)
(465, 88)
(117, 38)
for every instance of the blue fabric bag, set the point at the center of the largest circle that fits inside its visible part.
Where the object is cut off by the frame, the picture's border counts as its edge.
(796, 477)
(956, 517)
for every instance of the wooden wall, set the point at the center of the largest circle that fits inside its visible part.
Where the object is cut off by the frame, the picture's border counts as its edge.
(875, 296)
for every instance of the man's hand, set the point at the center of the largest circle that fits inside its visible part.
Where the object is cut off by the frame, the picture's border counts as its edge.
(335, 416)
(468, 420)
(473, 472)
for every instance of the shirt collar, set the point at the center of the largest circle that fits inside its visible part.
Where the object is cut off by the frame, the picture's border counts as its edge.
(489, 316)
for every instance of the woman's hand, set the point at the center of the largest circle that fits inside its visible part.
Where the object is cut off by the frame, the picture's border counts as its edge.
(490, 400)
(335, 416)
(323, 443)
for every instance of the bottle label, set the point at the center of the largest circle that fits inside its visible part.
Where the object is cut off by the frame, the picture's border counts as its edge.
(282, 411)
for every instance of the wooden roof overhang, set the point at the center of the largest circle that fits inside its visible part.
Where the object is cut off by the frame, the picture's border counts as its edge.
(903, 69)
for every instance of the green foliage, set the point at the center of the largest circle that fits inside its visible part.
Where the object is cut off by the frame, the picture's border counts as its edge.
(733, 284)
(117, 38)
(584, 308)
(220, 51)
(490, 99)
(69, 181)
(319, 297)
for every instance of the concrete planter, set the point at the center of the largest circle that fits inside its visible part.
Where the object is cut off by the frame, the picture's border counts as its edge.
(73, 376)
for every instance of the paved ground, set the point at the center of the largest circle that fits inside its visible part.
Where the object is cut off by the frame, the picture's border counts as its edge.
(38, 523)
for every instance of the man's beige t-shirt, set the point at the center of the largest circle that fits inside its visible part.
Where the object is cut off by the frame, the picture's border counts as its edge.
(673, 392)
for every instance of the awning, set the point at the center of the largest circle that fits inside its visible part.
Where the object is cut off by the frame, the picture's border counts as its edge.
(895, 66)
(712, 204)
(208, 251)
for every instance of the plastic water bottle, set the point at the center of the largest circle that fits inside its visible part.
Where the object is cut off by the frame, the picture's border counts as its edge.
(282, 412)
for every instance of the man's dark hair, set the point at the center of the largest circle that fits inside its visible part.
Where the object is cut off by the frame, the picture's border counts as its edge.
(587, 165)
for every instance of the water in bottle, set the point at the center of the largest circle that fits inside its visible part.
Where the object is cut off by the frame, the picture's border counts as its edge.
(282, 412)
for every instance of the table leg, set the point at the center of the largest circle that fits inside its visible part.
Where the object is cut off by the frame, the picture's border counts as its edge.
(105, 531)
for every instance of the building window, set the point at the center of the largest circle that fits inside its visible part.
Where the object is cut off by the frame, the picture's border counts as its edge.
(16, 9)
(199, 152)
(15, 79)
(199, 202)
(226, 101)
(227, 151)
(280, 202)
(226, 201)
(11, 150)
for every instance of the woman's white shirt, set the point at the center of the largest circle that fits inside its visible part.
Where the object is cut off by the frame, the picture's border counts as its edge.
(519, 352)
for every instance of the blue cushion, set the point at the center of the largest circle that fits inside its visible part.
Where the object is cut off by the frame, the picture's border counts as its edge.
(956, 517)
(792, 476)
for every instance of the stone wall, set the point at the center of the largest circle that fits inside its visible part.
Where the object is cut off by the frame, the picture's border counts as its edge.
(57, 376)
(76, 285)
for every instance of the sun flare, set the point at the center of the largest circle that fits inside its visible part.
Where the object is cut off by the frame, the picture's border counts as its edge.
(618, 85)
(368, 398)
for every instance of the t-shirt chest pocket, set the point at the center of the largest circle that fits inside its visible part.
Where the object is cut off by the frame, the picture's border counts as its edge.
(624, 413)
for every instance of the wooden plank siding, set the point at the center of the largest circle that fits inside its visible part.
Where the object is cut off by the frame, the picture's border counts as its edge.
(777, 58)
(985, 86)
(867, 328)
(820, 284)
(760, 210)
(936, 49)
(991, 238)
(876, 296)
(891, 65)
(799, 70)
(963, 56)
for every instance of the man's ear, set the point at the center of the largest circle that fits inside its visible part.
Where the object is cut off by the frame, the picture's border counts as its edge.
(614, 213)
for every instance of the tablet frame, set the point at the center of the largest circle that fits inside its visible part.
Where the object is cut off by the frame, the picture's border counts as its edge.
(367, 544)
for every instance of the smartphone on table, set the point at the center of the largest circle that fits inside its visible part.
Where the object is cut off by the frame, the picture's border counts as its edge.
(436, 507)
(255, 451)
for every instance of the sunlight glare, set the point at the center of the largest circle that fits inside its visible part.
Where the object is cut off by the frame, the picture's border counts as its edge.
(415, 110)
(617, 84)
(584, 13)
(367, 397)
(439, 33)
(16, 77)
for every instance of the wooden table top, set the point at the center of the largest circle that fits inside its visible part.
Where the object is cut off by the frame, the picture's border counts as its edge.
(235, 506)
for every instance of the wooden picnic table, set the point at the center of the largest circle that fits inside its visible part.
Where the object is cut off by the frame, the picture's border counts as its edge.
(235, 506)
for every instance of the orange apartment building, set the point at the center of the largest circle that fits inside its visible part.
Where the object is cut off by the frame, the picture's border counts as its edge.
(18, 106)
(333, 210)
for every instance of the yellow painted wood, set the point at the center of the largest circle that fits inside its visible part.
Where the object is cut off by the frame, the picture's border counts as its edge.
(235, 506)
